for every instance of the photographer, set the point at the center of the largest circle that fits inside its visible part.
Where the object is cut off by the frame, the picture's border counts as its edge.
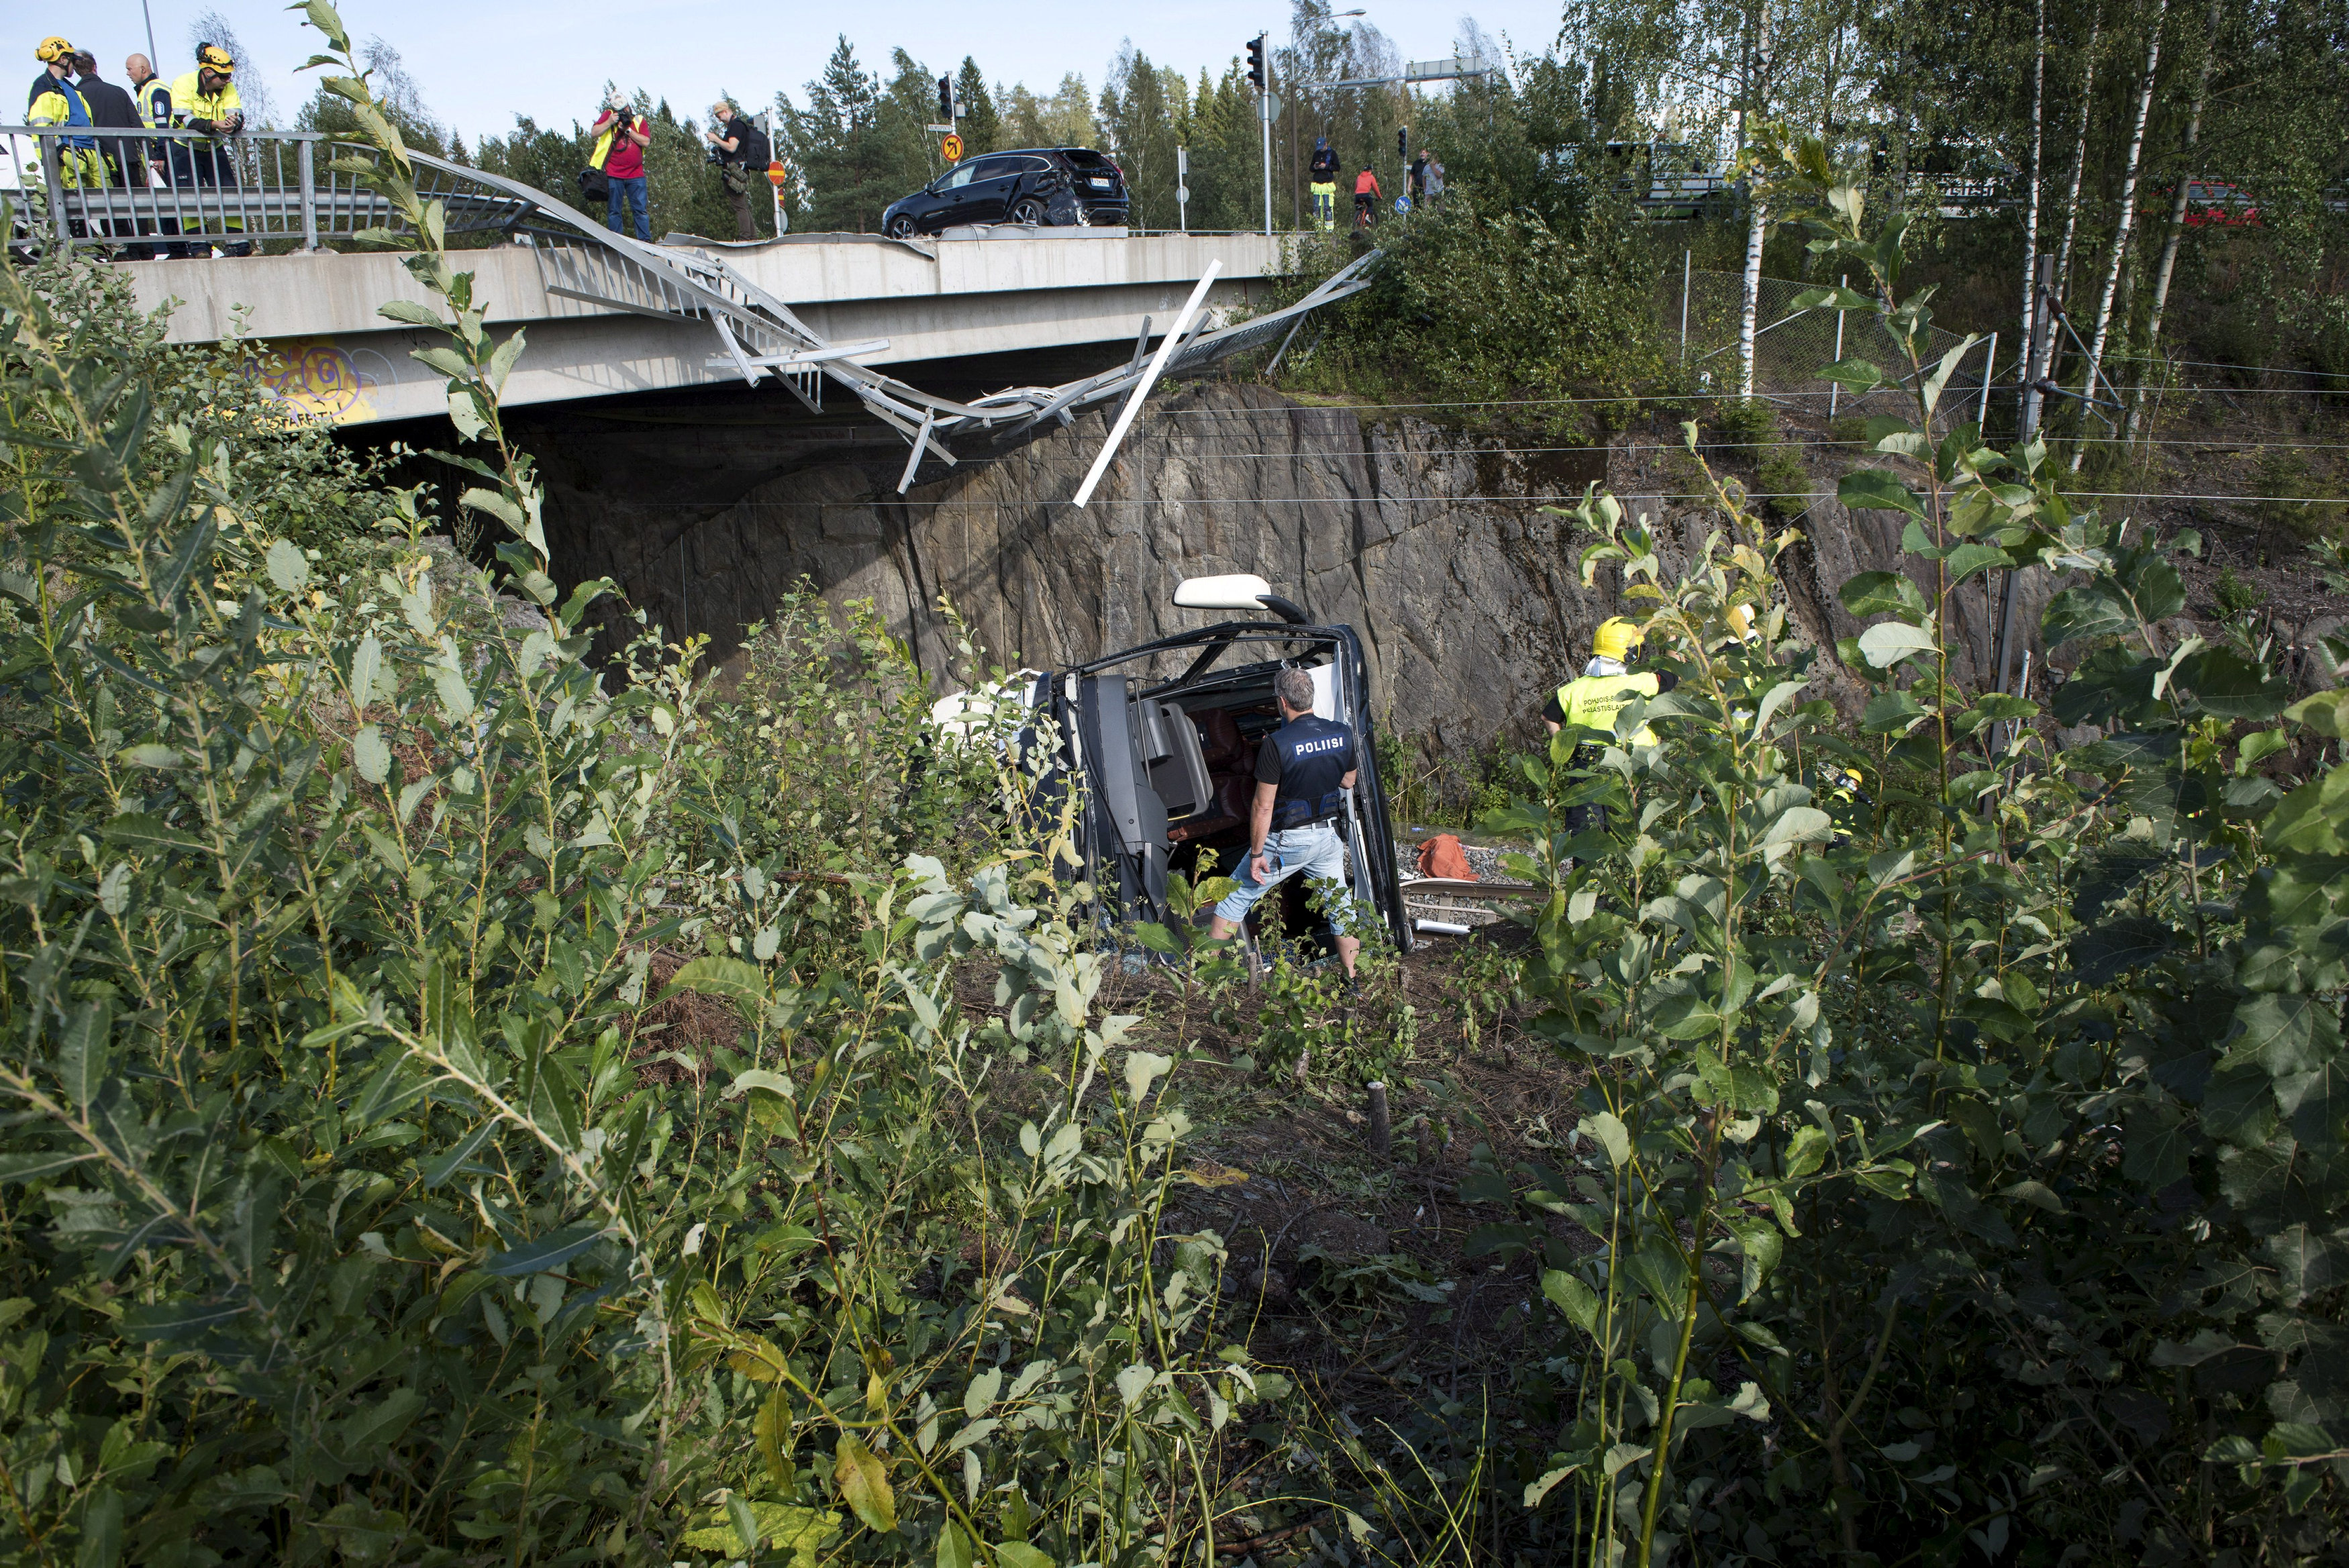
(621, 136)
(205, 99)
(740, 149)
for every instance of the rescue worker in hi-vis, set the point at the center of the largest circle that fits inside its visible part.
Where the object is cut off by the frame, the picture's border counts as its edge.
(205, 99)
(55, 100)
(1589, 702)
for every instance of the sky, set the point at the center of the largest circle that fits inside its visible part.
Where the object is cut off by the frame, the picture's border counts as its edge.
(479, 65)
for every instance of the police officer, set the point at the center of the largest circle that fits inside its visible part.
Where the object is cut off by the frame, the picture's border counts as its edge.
(1303, 771)
(1592, 699)
(152, 95)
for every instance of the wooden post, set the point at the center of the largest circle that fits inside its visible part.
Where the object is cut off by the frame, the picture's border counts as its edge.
(1382, 1131)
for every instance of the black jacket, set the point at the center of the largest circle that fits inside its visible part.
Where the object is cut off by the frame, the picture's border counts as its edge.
(114, 108)
(109, 106)
(750, 149)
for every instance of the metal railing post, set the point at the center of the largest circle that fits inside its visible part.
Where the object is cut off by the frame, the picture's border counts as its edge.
(53, 171)
(308, 158)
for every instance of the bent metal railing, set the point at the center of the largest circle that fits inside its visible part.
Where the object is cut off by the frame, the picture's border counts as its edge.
(107, 197)
(760, 336)
(174, 190)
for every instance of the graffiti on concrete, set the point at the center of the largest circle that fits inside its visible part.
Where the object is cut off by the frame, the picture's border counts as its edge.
(317, 377)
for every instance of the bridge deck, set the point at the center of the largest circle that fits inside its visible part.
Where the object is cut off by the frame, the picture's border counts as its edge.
(1001, 292)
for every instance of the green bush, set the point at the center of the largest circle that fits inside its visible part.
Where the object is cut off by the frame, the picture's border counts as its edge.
(2233, 595)
(2297, 501)
(1960, 1177)
(368, 1195)
(1479, 301)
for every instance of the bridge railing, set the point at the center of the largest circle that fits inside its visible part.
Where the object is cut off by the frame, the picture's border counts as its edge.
(173, 190)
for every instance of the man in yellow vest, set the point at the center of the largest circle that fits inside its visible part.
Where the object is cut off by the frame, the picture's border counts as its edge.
(55, 100)
(205, 99)
(1589, 702)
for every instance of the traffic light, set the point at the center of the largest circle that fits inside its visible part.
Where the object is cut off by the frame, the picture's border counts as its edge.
(946, 98)
(1255, 61)
(1403, 144)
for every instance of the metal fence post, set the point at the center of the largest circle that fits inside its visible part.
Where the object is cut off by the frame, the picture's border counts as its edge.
(1989, 363)
(1688, 260)
(307, 158)
(1836, 387)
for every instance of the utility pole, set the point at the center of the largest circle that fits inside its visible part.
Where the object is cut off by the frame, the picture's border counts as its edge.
(1182, 188)
(1259, 73)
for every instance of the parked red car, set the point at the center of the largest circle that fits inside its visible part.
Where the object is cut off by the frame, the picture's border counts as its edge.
(2209, 204)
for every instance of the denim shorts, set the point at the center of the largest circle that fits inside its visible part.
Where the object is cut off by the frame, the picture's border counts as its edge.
(1317, 850)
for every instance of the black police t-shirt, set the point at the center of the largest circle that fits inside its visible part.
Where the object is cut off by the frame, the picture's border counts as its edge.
(1305, 760)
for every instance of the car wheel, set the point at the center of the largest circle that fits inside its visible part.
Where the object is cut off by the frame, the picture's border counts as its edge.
(1028, 209)
(901, 227)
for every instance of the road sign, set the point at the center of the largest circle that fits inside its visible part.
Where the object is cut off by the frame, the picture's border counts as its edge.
(951, 149)
(776, 175)
(1267, 108)
(1181, 192)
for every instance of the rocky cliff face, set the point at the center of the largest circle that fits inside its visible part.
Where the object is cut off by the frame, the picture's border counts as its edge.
(1432, 541)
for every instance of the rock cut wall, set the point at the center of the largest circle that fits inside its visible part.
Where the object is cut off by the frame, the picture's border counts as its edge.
(1432, 541)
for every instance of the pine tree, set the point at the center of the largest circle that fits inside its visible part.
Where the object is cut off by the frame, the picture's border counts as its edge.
(981, 123)
(829, 139)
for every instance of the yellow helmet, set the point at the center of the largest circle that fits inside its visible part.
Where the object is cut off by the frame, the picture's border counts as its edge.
(1616, 637)
(52, 50)
(215, 59)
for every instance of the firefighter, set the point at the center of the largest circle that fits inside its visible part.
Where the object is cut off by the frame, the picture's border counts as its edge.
(205, 99)
(55, 100)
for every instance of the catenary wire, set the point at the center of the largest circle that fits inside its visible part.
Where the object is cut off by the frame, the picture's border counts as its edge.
(852, 504)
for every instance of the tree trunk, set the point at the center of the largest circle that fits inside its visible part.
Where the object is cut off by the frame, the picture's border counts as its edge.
(1756, 226)
(2079, 170)
(2168, 264)
(1757, 220)
(2024, 369)
(2128, 215)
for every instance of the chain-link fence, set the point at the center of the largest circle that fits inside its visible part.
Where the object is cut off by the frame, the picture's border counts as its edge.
(1701, 311)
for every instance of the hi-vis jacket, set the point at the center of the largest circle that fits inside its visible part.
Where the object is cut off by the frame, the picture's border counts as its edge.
(1591, 702)
(190, 101)
(55, 100)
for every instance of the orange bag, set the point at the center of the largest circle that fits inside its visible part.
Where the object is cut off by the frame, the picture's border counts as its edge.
(1442, 856)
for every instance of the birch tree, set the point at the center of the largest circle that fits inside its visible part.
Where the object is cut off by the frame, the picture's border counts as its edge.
(2026, 367)
(2184, 182)
(2128, 216)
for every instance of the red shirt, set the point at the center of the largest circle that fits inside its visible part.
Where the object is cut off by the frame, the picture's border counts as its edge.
(627, 159)
(1367, 184)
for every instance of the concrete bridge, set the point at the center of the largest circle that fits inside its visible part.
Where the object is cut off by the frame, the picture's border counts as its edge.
(320, 344)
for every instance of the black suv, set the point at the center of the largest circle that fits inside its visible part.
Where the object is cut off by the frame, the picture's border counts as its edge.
(1011, 186)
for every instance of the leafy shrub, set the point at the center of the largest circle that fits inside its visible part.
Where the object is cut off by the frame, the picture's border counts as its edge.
(1933, 1173)
(2298, 501)
(2234, 596)
(1480, 301)
(354, 1205)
